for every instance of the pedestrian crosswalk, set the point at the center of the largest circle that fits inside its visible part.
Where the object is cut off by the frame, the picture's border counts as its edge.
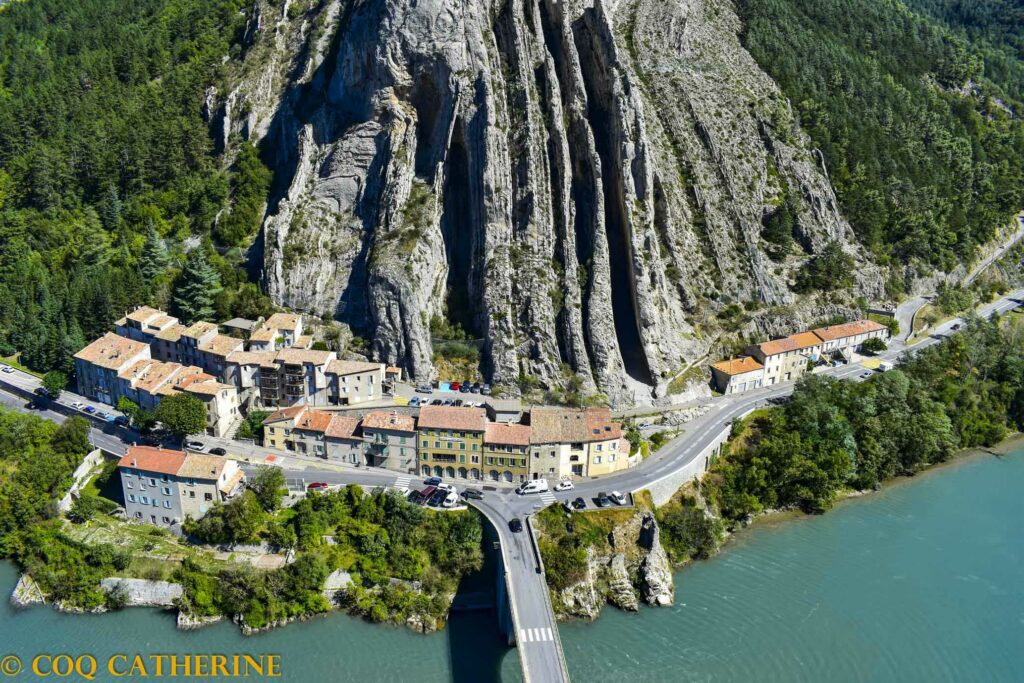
(535, 635)
(547, 498)
(403, 482)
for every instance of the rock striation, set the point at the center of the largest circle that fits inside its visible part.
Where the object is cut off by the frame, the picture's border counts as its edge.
(580, 183)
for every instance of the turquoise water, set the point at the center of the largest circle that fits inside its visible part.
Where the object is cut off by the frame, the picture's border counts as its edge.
(921, 582)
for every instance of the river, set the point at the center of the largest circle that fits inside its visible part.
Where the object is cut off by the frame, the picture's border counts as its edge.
(923, 581)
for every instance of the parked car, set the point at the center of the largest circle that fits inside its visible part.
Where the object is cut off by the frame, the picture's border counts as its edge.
(564, 485)
(535, 486)
(8, 369)
(121, 420)
(515, 524)
(644, 425)
(317, 487)
(446, 402)
(475, 388)
(423, 497)
(617, 498)
(218, 451)
(485, 389)
(956, 326)
(437, 499)
(865, 375)
(579, 504)
(425, 389)
(90, 409)
(414, 401)
(78, 405)
(432, 481)
(42, 391)
(465, 387)
(195, 446)
(457, 402)
(455, 386)
(450, 500)
(444, 486)
(472, 493)
(436, 402)
(602, 500)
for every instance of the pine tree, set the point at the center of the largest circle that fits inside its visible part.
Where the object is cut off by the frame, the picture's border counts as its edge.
(154, 256)
(198, 285)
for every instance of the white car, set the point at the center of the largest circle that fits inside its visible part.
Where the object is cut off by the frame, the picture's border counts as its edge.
(78, 405)
(617, 497)
(450, 500)
(644, 425)
(535, 486)
(197, 446)
(444, 486)
(564, 485)
(8, 369)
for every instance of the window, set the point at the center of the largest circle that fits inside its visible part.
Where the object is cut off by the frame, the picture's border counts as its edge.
(131, 497)
(191, 494)
(152, 481)
(167, 490)
(156, 503)
(208, 496)
(597, 460)
(128, 483)
(462, 446)
(166, 520)
(144, 500)
(425, 443)
(167, 504)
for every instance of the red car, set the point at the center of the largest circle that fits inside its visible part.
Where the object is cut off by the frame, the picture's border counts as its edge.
(456, 386)
(317, 486)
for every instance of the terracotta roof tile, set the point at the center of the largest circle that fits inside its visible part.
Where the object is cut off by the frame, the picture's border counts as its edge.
(199, 329)
(314, 421)
(222, 345)
(850, 329)
(112, 351)
(738, 366)
(172, 333)
(289, 413)
(572, 425)
(342, 427)
(507, 434)
(283, 321)
(208, 467)
(352, 367)
(382, 419)
(303, 356)
(450, 417)
(150, 459)
(796, 342)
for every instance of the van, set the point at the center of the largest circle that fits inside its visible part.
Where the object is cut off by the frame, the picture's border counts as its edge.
(450, 500)
(535, 486)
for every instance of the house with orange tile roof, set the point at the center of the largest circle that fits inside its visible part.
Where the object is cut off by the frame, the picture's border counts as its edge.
(737, 374)
(786, 359)
(574, 442)
(390, 440)
(506, 452)
(164, 487)
(98, 365)
(144, 323)
(450, 440)
(848, 337)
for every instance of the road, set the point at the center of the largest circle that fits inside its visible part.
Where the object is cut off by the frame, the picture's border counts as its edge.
(537, 633)
(906, 311)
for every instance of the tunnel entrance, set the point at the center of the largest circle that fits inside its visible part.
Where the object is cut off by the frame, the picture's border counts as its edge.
(457, 230)
(596, 74)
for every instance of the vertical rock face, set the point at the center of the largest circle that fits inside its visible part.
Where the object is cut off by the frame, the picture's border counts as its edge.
(576, 183)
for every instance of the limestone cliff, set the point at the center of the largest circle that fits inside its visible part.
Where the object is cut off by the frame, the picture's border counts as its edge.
(579, 184)
(632, 567)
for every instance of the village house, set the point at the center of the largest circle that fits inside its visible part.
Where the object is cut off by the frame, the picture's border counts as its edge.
(846, 339)
(506, 452)
(353, 382)
(451, 441)
(786, 360)
(163, 487)
(302, 377)
(736, 375)
(390, 440)
(144, 324)
(574, 442)
(97, 365)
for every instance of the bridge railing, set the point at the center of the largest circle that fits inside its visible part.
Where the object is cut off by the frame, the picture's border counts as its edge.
(534, 543)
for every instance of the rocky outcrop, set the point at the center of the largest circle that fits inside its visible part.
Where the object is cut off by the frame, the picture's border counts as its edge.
(632, 567)
(577, 183)
(27, 593)
(192, 622)
(655, 572)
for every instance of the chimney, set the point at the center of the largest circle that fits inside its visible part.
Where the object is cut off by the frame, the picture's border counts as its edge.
(134, 462)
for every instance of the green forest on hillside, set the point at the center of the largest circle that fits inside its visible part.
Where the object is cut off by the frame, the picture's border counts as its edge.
(107, 168)
(924, 167)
